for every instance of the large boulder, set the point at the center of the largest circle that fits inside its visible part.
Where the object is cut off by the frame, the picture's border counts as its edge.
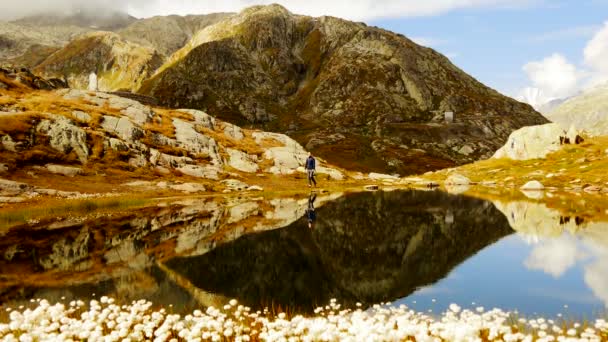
(534, 142)
(287, 158)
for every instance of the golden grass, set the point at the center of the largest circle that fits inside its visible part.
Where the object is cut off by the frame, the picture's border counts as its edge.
(18, 123)
(68, 208)
(572, 165)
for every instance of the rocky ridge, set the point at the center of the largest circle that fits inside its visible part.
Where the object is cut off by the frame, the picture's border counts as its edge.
(586, 111)
(73, 132)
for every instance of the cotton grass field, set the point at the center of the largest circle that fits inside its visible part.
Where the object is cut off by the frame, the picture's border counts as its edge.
(104, 320)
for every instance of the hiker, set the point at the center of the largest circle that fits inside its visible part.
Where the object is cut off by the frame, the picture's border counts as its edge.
(310, 211)
(310, 169)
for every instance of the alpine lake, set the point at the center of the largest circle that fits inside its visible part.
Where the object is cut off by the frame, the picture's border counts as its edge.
(425, 249)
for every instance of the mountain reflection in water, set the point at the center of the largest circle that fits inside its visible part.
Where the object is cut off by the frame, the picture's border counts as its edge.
(297, 254)
(365, 247)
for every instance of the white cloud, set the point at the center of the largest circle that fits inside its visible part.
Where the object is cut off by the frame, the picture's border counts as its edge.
(554, 256)
(355, 10)
(554, 76)
(596, 55)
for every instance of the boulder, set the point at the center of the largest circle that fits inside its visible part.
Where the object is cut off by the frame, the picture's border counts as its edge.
(122, 127)
(138, 160)
(209, 172)
(381, 176)
(533, 142)
(115, 144)
(3, 168)
(81, 116)
(195, 142)
(166, 160)
(457, 179)
(201, 118)
(332, 173)
(255, 188)
(188, 187)
(65, 137)
(8, 186)
(233, 131)
(8, 144)
(466, 150)
(68, 171)
(286, 158)
(533, 185)
(241, 161)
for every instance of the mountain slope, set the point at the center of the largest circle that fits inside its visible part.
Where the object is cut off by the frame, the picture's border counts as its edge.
(167, 34)
(118, 63)
(362, 97)
(15, 39)
(587, 111)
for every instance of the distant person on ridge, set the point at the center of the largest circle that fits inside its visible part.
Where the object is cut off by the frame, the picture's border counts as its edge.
(310, 169)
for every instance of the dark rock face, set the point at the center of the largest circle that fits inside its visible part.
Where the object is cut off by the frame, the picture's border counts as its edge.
(317, 77)
(366, 247)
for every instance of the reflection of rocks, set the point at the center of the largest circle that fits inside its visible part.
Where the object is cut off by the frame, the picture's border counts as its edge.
(537, 220)
(367, 247)
(79, 251)
(562, 242)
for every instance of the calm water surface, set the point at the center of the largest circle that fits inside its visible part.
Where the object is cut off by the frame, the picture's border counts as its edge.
(424, 249)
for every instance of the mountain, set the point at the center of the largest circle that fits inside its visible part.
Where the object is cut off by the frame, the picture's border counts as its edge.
(28, 41)
(359, 96)
(587, 110)
(167, 34)
(98, 19)
(15, 39)
(118, 63)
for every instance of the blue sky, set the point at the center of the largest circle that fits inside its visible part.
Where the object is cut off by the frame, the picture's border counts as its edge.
(493, 44)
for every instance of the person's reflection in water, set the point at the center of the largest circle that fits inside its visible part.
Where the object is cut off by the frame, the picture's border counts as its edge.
(310, 211)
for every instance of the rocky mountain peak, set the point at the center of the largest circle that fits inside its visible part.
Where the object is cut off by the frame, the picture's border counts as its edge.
(360, 96)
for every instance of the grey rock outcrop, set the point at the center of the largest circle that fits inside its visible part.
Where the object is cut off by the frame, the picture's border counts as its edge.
(535, 141)
(68, 171)
(241, 161)
(65, 137)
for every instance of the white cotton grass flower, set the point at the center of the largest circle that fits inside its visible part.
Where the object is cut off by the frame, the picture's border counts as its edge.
(103, 320)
